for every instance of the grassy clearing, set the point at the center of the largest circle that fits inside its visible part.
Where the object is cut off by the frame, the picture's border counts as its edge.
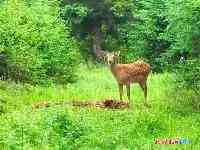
(61, 127)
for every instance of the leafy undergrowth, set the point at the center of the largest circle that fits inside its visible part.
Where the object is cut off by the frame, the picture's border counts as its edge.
(68, 127)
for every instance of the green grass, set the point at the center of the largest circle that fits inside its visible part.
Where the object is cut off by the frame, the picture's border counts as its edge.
(65, 127)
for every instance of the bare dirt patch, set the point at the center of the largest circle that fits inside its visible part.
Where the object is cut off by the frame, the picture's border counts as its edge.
(106, 104)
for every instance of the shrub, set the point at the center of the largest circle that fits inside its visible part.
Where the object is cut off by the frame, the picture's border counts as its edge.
(35, 44)
(187, 75)
(44, 129)
(187, 89)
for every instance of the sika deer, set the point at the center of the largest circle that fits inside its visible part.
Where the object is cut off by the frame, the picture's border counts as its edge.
(126, 74)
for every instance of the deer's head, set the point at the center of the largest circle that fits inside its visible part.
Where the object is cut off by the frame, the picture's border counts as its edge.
(113, 58)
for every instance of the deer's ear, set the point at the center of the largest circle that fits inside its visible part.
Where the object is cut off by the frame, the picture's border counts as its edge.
(117, 53)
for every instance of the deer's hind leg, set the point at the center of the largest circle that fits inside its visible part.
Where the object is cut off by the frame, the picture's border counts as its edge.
(143, 85)
(120, 90)
(128, 92)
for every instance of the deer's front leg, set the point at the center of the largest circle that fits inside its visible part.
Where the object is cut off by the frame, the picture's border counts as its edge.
(120, 90)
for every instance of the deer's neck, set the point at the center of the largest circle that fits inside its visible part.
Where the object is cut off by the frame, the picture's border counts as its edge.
(113, 68)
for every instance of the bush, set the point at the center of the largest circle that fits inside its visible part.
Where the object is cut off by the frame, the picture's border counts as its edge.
(44, 129)
(155, 32)
(187, 75)
(35, 44)
(187, 89)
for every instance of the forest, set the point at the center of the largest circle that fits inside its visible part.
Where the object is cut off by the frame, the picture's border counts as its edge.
(57, 86)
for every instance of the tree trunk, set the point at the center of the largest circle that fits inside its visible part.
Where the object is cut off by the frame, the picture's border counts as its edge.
(97, 39)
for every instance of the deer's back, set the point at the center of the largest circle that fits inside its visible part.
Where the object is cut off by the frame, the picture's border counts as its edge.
(130, 73)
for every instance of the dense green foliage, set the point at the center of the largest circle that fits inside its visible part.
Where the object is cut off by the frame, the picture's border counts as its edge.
(160, 31)
(35, 44)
